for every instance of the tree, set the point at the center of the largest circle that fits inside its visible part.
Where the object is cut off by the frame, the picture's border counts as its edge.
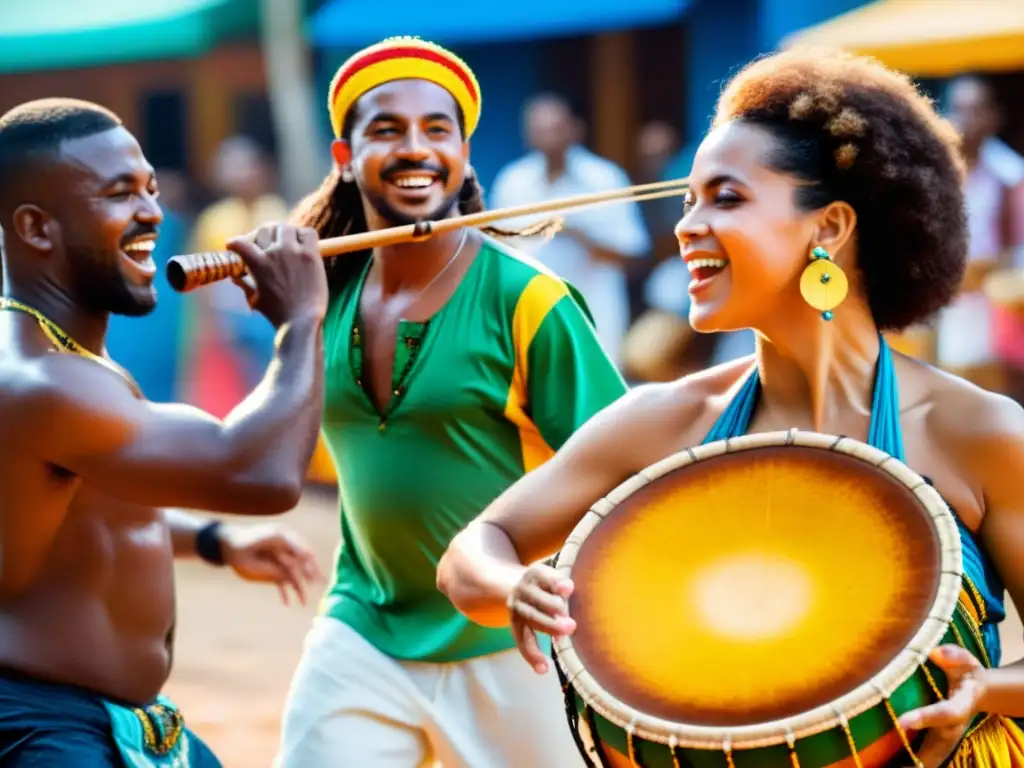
(302, 161)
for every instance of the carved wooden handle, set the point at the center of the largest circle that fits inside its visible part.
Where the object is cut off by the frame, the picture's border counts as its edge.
(193, 270)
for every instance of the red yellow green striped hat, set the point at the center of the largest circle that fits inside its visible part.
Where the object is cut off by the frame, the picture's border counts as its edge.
(403, 58)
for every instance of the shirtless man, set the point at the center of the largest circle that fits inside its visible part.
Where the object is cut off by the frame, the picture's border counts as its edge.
(86, 551)
(812, 156)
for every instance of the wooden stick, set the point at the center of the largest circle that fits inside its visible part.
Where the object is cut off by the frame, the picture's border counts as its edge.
(191, 271)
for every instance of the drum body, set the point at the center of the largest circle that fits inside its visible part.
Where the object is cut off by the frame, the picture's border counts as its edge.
(762, 601)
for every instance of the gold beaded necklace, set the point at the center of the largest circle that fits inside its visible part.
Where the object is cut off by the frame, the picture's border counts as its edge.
(63, 341)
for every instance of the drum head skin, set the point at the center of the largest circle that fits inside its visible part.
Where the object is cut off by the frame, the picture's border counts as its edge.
(753, 586)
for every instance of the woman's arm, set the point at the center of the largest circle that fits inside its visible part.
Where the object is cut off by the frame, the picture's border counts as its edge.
(534, 517)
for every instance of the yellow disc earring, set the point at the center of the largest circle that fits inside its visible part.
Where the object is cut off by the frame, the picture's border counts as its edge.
(823, 284)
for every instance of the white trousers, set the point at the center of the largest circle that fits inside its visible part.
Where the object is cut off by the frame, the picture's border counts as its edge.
(351, 706)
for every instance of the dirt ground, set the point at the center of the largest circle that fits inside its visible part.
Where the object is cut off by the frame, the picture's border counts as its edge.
(238, 645)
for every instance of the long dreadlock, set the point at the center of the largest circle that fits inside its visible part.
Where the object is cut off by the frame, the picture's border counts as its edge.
(336, 209)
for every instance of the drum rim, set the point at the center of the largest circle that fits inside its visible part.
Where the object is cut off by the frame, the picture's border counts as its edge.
(820, 719)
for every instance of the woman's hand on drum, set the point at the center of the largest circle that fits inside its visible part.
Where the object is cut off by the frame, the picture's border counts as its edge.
(537, 603)
(948, 720)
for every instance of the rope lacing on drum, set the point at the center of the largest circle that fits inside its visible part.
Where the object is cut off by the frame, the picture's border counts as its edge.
(727, 749)
(896, 723)
(794, 759)
(845, 725)
(922, 659)
(629, 744)
(673, 749)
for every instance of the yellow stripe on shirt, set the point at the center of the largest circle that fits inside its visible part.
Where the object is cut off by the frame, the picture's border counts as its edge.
(540, 295)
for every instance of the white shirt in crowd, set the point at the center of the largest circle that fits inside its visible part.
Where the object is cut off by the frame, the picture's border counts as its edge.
(616, 226)
(964, 331)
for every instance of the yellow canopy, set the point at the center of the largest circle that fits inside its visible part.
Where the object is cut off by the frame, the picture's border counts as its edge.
(929, 38)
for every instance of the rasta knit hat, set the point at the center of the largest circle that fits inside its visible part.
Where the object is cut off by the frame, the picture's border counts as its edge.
(403, 58)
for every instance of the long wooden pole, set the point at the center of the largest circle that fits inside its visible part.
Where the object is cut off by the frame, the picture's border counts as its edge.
(188, 272)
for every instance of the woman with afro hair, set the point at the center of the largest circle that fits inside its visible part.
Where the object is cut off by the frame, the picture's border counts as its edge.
(833, 171)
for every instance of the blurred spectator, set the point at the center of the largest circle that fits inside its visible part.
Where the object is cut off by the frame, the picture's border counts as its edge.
(665, 283)
(150, 347)
(657, 145)
(243, 175)
(660, 343)
(976, 339)
(661, 346)
(594, 247)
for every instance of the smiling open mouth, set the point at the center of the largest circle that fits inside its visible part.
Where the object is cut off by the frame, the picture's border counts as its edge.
(140, 250)
(705, 269)
(140, 253)
(413, 182)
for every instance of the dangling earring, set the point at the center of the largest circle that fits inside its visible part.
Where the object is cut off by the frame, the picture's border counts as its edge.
(346, 176)
(823, 284)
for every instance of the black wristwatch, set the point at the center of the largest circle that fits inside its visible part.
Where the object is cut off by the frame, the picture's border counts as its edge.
(208, 543)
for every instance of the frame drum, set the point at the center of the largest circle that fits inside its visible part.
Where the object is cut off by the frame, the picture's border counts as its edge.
(768, 600)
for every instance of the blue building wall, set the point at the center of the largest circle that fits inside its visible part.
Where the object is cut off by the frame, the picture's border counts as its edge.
(722, 36)
(509, 74)
(779, 18)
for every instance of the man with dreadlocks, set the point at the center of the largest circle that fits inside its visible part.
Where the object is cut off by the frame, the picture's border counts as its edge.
(453, 367)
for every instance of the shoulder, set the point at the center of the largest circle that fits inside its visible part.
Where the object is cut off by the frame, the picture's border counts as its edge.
(982, 432)
(960, 410)
(75, 381)
(517, 272)
(529, 288)
(684, 409)
(31, 375)
(21, 379)
(654, 421)
(515, 262)
(641, 419)
(523, 290)
(65, 398)
(708, 392)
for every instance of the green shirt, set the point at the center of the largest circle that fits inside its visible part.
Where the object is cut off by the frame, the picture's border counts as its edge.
(487, 389)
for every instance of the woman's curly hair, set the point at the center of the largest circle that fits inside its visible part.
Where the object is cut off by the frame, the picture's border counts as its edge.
(864, 134)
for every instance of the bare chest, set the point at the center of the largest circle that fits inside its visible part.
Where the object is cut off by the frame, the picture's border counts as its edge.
(386, 345)
(61, 531)
(103, 536)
